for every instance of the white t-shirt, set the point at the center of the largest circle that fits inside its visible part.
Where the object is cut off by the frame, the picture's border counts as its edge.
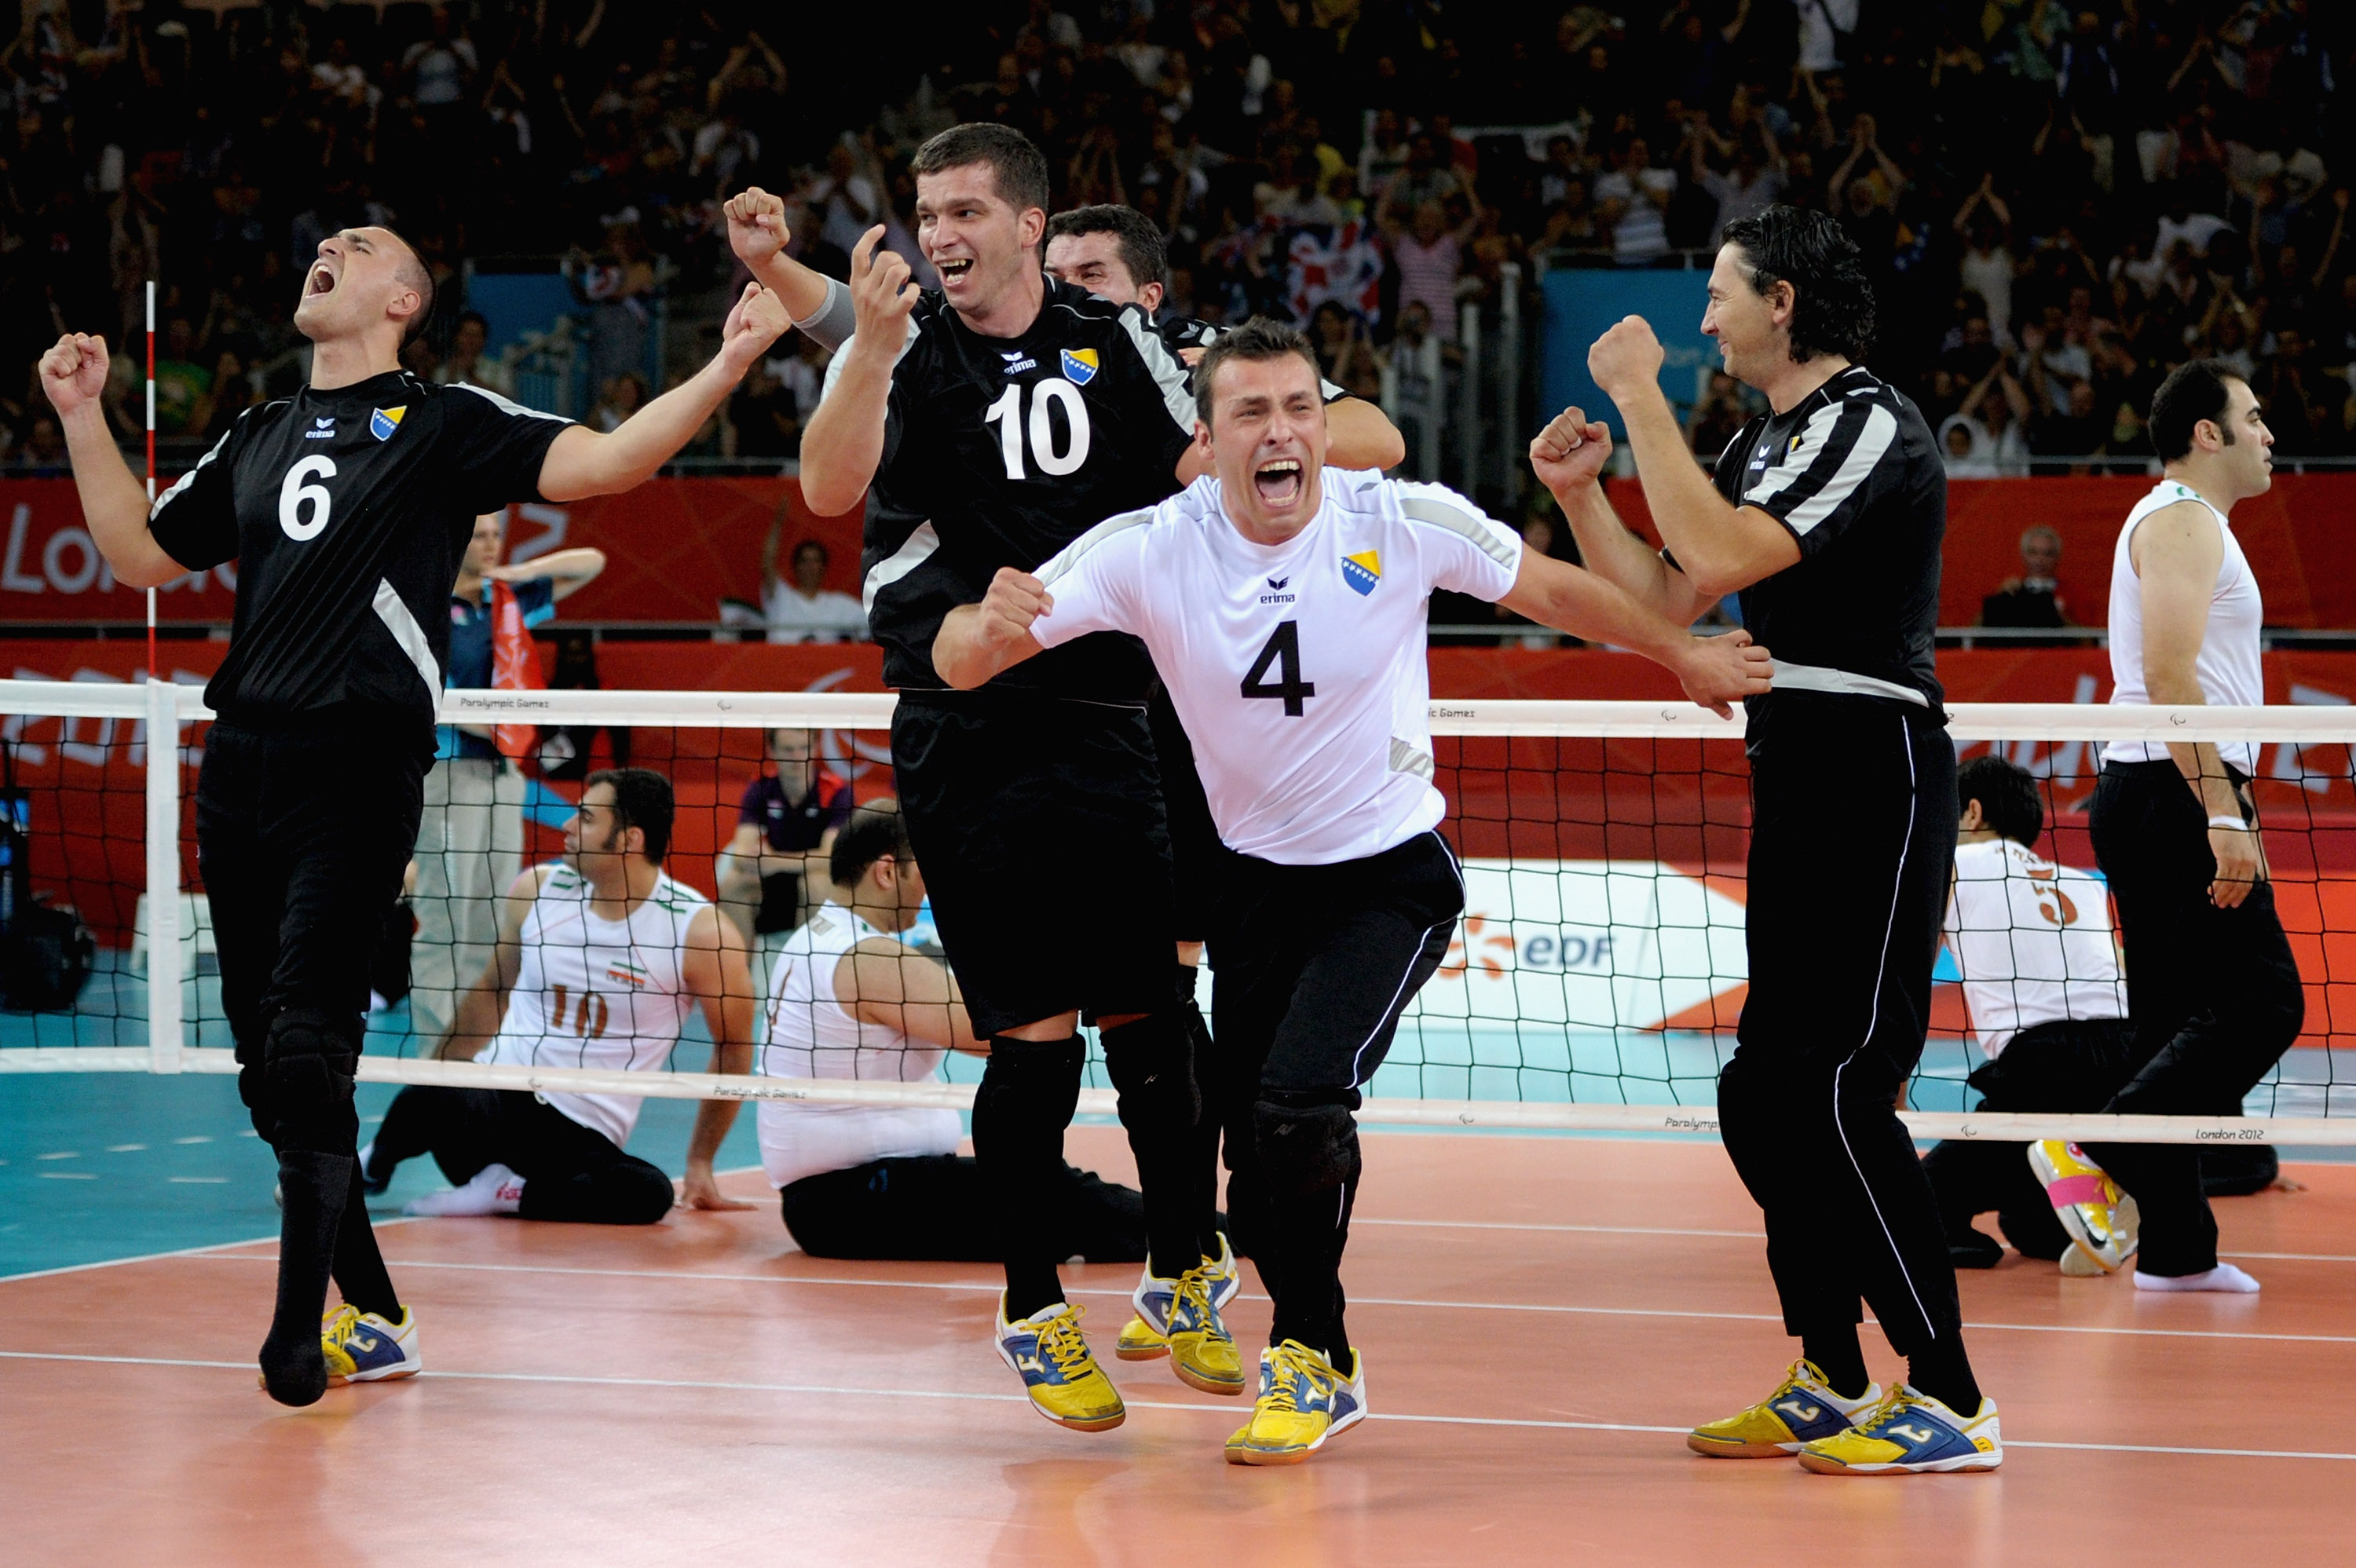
(808, 1033)
(2032, 940)
(1297, 668)
(830, 617)
(2229, 668)
(593, 992)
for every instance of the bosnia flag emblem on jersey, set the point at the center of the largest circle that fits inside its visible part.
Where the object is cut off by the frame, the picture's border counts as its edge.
(1362, 571)
(1080, 366)
(383, 422)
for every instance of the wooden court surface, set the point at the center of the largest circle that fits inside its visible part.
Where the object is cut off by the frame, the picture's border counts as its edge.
(1541, 1318)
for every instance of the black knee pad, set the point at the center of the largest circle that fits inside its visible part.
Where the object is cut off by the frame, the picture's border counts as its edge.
(1151, 1064)
(308, 1064)
(1029, 1086)
(1305, 1148)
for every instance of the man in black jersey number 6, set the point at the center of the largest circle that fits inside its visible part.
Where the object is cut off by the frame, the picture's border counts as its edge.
(989, 423)
(347, 507)
(1825, 516)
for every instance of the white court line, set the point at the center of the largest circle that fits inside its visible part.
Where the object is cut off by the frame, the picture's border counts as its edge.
(1734, 1235)
(1229, 1411)
(986, 1287)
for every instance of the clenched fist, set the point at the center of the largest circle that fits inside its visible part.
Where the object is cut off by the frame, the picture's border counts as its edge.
(74, 372)
(1570, 452)
(756, 225)
(1626, 360)
(759, 319)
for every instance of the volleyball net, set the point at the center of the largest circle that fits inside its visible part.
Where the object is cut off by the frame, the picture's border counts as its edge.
(1594, 983)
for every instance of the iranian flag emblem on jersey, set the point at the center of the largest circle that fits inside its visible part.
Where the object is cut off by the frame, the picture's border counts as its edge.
(628, 972)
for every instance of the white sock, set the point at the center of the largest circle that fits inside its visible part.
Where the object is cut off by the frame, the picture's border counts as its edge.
(496, 1189)
(2224, 1278)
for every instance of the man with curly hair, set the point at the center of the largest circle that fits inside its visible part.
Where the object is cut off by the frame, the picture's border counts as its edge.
(1825, 516)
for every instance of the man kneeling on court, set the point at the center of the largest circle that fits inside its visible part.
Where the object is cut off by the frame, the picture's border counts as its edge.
(849, 999)
(600, 957)
(1284, 605)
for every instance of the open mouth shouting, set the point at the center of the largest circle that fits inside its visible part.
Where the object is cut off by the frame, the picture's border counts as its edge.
(1280, 482)
(322, 279)
(955, 270)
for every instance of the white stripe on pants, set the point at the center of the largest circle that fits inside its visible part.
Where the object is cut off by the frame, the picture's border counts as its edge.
(469, 850)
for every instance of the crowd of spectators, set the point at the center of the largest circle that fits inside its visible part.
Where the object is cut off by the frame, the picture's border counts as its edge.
(2056, 202)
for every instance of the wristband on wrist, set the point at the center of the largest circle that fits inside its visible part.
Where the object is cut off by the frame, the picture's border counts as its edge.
(2222, 820)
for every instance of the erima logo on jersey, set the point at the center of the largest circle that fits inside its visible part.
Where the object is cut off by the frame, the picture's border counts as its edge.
(1017, 361)
(1080, 366)
(1362, 571)
(321, 430)
(383, 422)
(1276, 593)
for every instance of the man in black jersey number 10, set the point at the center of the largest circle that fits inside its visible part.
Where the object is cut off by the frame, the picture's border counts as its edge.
(1826, 516)
(988, 424)
(347, 507)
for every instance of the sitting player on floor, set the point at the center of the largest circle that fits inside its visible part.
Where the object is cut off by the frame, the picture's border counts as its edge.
(848, 999)
(600, 957)
(2040, 973)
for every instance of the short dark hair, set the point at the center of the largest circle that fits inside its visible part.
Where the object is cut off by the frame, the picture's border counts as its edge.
(874, 830)
(1258, 338)
(477, 317)
(1141, 249)
(2008, 797)
(2194, 391)
(816, 544)
(418, 276)
(1016, 166)
(642, 799)
(1832, 308)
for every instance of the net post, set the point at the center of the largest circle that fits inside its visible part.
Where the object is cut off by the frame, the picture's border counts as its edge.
(162, 877)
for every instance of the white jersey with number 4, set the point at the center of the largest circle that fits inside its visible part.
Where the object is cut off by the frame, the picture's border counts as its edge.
(592, 992)
(2032, 940)
(1297, 668)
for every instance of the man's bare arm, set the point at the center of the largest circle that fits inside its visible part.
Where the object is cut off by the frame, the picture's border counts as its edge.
(475, 1022)
(1568, 457)
(114, 501)
(714, 971)
(1358, 434)
(843, 443)
(976, 642)
(894, 986)
(1716, 672)
(583, 461)
(757, 233)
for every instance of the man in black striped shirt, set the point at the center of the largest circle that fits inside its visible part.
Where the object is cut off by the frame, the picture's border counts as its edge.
(1826, 518)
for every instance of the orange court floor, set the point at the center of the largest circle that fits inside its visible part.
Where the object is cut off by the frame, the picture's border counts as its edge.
(1542, 1317)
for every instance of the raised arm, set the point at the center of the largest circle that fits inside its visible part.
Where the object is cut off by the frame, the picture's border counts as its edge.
(843, 443)
(1722, 547)
(1358, 434)
(758, 234)
(2177, 552)
(570, 570)
(114, 501)
(715, 972)
(475, 1022)
(1568, 456)
(583, 461)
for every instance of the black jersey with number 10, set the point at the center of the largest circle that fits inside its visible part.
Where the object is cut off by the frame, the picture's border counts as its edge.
(347, 512)
(1001, 451)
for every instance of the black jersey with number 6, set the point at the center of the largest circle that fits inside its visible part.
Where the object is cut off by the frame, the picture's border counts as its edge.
(347, 512)
(1000, 451)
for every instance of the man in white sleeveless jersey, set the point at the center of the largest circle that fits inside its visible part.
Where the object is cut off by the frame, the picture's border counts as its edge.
(1284, 605)
(601, 957)
(2041, 970)
(2212, 988)
(848, 999)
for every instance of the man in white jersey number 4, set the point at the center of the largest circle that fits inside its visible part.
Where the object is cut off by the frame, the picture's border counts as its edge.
(601, 957)
(2212, 988)
(1284, 606)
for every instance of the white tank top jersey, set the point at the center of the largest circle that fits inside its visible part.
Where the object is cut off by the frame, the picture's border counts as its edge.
(592, 992)
(1297, 668)
(2229, 668)
(2032, 940)
(810, 1035)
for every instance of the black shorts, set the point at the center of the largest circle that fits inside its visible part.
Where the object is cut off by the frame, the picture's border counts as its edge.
(1039, 826)
(1195, 850)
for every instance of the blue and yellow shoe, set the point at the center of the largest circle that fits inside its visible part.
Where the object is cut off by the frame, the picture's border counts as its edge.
(363, 1348)
(1802, 1409)
(1146, 1336)
(1063, 1381)
(1304, 1402)
(1910, 1434)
